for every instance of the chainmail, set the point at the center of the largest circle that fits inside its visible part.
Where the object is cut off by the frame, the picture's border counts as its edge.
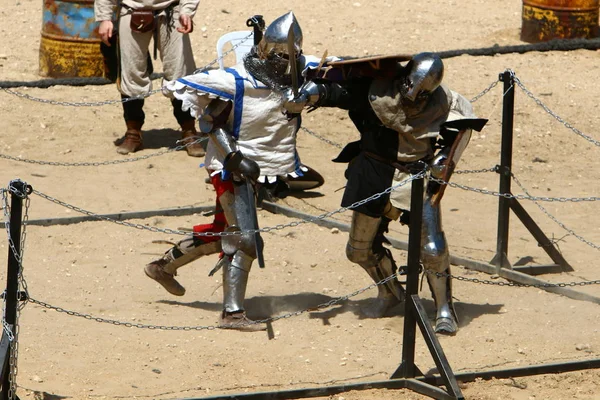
(271, 71)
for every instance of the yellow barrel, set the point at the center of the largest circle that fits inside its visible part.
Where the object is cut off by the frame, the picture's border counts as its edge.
(70, 43)
(544, 20)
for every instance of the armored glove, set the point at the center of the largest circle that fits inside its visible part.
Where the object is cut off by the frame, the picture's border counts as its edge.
(440, 168)
(440, 164)
(235, 162)
(309, 95)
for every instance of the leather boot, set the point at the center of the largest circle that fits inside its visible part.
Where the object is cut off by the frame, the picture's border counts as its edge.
(156, 270)
(132, 141)
(189, 135)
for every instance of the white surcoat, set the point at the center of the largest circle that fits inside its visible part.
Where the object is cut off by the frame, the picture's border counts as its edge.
(257, 121)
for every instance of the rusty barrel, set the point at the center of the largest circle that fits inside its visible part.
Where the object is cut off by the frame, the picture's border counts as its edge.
(70, 43)
(544, 20)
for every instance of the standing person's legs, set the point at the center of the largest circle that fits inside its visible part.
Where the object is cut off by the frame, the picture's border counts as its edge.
(436, 259)
(365, 248)
(134, 81)
(178, 60)
(239, 252)
(191, 248)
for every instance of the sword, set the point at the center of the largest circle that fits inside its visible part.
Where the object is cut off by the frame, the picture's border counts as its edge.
(321, 63)
(260, 244)
(292, 60)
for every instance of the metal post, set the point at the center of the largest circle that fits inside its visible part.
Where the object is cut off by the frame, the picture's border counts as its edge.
(11, 295)
(407, 368)
(500, 260)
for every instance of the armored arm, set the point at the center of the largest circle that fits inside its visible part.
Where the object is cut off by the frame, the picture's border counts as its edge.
(454, 138)
(213, 122)
(324, 93)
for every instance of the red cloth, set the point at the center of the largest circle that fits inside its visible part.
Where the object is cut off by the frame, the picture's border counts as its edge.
(219, 222)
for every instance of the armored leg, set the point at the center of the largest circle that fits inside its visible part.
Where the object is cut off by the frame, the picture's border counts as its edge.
(239, 252)
(193, 247)
(365, 248)
(436, 258)
(185, 251)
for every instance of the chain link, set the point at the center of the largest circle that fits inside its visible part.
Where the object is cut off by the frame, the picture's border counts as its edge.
(515, 196)
(108, 102)
(477, 171)
(554, 115)
(319, 307)
(232, 233)
(7, 328)
(322, 138)
(79, 104)
(111, 162)
(511, 284)
(485, 91)
(22, 286)
(553, 218)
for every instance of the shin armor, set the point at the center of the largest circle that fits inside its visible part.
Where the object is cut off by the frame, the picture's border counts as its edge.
(187, 250)
(365, 248)
(239, 250)
(436, 258)
(236, 270)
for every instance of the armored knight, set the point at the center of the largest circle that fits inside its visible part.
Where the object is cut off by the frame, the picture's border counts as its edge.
(252, 143)
(407, 121)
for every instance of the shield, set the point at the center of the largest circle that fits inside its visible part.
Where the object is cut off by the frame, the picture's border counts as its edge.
(373, 66)
(464, 127)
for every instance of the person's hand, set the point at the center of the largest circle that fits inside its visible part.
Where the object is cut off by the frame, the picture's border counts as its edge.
(294, 104)
(187, 25)
(249, 169)
(105, 30)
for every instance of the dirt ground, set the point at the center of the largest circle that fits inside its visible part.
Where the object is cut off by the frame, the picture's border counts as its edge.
(96, 268)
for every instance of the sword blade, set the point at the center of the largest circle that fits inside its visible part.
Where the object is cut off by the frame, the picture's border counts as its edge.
(259, 243)
(292, 59)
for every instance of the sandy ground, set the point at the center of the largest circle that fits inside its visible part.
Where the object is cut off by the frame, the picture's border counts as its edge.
(96, 268)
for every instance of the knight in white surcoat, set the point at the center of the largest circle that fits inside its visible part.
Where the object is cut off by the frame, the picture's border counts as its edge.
(252, 143)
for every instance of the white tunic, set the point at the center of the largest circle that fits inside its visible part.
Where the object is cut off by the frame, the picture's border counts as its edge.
(257, 121)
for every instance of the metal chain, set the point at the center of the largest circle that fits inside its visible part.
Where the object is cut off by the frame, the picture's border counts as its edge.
(14, 343)
(22, 283)
(321, 306)
(477, 171)
(232, 233)
(111, 162)
(108, 102)
(515, 196)
(511, 284)
(322, 138)
(554, 115)
(10, 333)
(7, 212)
(485, 91)
(553, 218)
(7, 328)
(79, 104)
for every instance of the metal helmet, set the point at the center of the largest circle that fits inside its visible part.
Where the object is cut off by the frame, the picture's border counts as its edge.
(275, 38)
(425, 73)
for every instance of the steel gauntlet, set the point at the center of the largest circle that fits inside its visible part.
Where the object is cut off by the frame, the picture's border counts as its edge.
(309, 95)
(236, 163)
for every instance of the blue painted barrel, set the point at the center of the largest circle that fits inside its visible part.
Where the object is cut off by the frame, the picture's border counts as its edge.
(70, 43)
